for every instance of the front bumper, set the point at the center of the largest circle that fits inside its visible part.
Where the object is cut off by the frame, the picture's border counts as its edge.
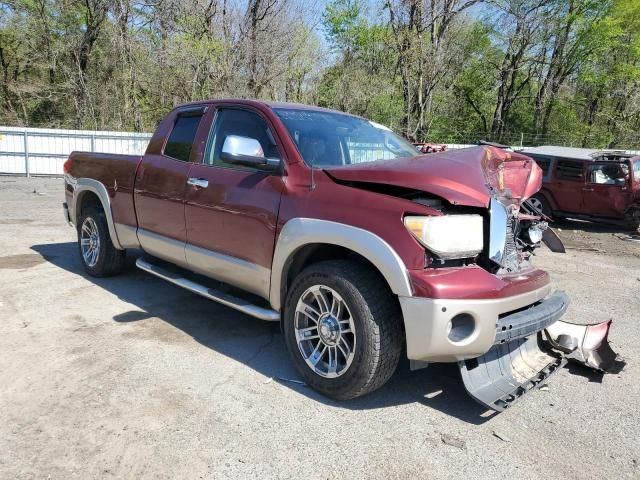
(514, 367)
(505, 373)
(445, 330)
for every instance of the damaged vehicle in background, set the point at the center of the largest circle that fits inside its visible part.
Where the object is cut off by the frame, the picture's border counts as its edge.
(331, 225)
(595, 185)
(430, 147)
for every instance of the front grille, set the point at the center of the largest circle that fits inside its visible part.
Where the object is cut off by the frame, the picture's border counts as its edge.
(503, 253)
(511, 260)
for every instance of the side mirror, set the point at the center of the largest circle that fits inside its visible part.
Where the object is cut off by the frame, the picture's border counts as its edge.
(246, 151)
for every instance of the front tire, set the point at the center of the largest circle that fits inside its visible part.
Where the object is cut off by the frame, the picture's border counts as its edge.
(97, 253)
(632, 220)
(342, 327)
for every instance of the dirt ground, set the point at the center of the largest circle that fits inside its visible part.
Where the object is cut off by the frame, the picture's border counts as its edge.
(131, 377)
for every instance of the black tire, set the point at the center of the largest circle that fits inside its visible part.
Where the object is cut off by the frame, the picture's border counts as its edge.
(377, 319)
(110, 261)
(546, 208)
(632, 221)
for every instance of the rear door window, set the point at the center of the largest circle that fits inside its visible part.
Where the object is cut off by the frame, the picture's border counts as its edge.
(181, 138)
(636, 170)
(569, 170)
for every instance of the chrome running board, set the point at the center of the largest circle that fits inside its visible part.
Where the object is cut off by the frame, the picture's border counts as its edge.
(217, 296)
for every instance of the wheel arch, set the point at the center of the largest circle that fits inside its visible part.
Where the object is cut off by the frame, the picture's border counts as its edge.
(302, 239)
(88, 186)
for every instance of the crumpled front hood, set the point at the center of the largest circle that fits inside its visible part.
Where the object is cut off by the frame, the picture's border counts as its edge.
(468, 176)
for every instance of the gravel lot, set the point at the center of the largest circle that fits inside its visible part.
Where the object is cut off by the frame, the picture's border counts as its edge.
(132, 377)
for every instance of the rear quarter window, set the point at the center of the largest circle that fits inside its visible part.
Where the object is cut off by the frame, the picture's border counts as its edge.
(636, 170)
(181, 138)
(568, 170)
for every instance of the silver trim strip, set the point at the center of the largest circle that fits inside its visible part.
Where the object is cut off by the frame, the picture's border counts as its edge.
(163, 247)
(232, 270)
(215, 295)
(127, 235)
(299, 232)
(90, 185)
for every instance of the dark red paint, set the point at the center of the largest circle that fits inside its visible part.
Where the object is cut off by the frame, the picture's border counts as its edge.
(460, 176)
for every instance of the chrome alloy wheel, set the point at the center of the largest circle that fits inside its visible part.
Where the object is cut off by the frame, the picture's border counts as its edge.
(90, 242)
(325, 331)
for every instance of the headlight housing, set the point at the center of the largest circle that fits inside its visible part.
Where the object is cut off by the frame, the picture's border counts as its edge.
(448, 236)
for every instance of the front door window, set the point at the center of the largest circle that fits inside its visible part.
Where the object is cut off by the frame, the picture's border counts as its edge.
(607, 174)
(242, 123)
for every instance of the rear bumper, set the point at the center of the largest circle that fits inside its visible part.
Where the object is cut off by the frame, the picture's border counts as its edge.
(445, 330)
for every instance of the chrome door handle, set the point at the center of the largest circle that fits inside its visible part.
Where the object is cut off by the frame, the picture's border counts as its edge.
(587, 189)
(198, 182)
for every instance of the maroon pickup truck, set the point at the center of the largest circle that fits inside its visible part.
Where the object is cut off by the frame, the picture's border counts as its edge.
(331, 225)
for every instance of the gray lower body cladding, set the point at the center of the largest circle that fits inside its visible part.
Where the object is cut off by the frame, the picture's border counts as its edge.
(519, 360)
(505, 373)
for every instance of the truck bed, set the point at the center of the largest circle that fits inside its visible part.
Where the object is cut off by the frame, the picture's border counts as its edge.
(117, 173)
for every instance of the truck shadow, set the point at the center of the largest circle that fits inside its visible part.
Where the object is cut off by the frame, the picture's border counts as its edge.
(256, 343)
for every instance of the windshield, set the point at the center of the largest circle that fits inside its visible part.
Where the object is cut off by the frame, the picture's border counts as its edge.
(332, 139)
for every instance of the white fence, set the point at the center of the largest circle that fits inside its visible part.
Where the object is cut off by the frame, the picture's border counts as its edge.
(42, 151)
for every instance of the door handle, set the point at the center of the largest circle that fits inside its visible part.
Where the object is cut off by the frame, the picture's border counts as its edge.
(587, 189)
(198, 182)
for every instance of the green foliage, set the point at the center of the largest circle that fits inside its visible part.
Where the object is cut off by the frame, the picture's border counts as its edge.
(123, 65)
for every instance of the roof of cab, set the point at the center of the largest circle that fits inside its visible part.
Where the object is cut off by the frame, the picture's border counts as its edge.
(301, 106)
(267, 103)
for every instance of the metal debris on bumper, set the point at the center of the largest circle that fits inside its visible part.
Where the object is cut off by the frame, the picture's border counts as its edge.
(585, 344)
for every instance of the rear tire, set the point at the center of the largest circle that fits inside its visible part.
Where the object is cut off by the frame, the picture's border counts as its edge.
(365, 333)
(97, 253)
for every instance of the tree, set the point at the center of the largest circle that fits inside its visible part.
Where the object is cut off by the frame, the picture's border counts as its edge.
(569, 25)
(426, 53)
